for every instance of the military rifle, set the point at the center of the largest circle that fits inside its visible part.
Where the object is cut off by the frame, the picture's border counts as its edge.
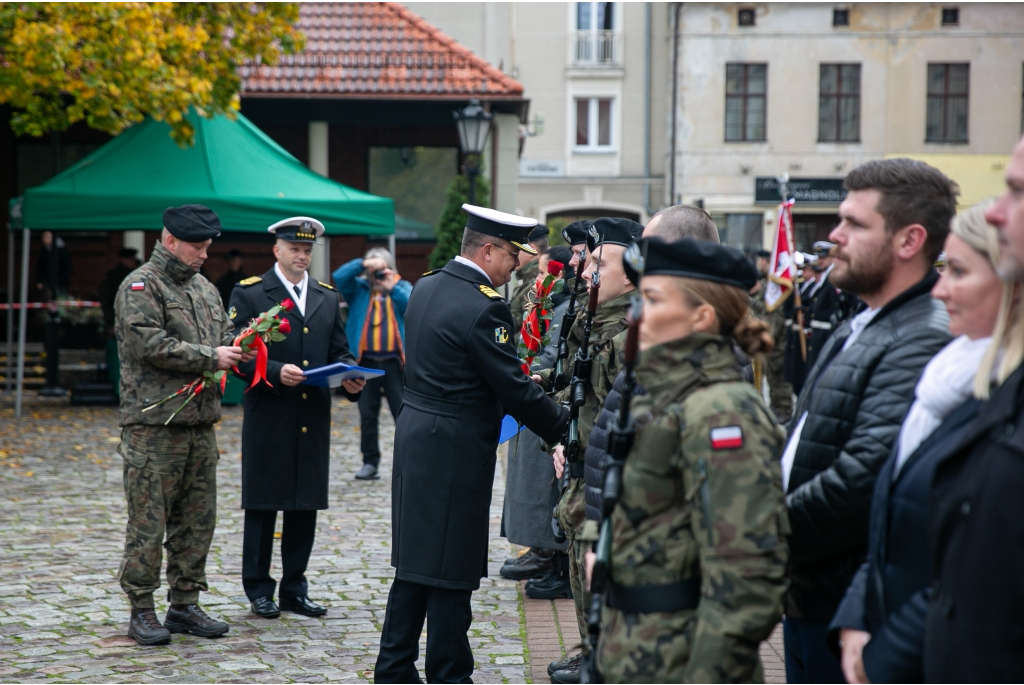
(561, 380)
(620, 441)
(582, 365)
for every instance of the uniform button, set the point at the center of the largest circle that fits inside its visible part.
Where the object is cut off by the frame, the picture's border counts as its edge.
(305, 330)
(303, 429)
(965, 508)
(305, 362)
(303, 395)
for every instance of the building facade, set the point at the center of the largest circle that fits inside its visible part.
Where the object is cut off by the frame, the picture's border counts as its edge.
(596, 75)
(814, 89)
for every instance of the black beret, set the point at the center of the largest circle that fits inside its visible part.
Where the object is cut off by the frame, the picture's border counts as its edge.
(576, 232)
(614, 231)
(128, 253)
(764, 254)
(689, 258)
(192, 223)
(539, 233)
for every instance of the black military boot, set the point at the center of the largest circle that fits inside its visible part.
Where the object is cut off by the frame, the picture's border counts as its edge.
(564, 663)
(571, 673)
(189, 618)
(530, 565)
(145, 628)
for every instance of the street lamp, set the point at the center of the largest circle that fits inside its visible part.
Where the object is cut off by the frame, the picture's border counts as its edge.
(474, 123)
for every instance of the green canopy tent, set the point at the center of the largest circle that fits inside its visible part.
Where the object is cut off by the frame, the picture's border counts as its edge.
(233, 168)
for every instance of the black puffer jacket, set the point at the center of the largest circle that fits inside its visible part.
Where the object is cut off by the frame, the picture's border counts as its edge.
(597, 447)
(855, 406)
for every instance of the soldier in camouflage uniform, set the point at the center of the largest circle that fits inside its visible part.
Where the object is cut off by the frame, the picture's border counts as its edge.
(171, 327)
(698, 554)
(606, 339)
(526, 276)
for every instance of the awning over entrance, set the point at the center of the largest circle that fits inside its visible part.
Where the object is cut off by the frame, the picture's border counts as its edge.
(233, 168)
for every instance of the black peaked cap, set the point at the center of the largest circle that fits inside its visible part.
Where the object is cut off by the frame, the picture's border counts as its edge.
(192, 223)
(697, 259)
(614, 231)
(576, 232)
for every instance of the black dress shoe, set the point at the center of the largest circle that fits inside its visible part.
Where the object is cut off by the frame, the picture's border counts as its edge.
(189, 618)
(302, 605)
(530, 565)
(145, 628)
(368, 472)
(264, 607)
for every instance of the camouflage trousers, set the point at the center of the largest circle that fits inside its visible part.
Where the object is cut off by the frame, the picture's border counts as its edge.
(645, 648)
(572, 514)
(170, 484)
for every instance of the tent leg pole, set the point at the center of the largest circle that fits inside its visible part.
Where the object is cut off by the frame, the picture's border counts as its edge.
(22, 321)
(391, 247)
(8, 381)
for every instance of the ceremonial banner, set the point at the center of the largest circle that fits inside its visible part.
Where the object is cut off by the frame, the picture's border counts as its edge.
(782, 268)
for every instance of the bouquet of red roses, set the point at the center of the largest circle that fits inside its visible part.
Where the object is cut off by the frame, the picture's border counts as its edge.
(537, 321)
(266, 328)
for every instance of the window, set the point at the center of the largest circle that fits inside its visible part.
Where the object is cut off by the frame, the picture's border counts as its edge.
(839, 103)
(595, 16)
(950, 16)
(747, 17)
(598, 42)
(742, 231)
(417, 179)
(745, 89)
(594, 123)
(840, 17)
(947, 103)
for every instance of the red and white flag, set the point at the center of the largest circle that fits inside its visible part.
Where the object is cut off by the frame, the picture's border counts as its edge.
(782, 269)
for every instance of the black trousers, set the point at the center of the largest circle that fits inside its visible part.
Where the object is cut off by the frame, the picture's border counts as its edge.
(390, 385)
(297, 535)
(449, 657)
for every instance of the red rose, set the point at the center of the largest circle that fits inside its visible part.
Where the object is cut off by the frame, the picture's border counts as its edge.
(287, 305)
(555, 268)
(285, 326)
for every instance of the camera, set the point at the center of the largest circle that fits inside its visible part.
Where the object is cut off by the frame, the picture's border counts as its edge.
(380, 275)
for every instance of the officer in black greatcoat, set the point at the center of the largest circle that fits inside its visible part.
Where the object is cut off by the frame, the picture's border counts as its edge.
(287, 426)
(461, 376)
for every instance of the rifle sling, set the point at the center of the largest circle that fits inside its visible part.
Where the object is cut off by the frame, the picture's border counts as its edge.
(650, 599)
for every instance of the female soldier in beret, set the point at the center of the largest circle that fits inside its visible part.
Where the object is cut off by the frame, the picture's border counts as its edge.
(698, 554)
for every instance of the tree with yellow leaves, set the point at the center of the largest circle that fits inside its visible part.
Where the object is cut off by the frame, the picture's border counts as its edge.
(111, 64)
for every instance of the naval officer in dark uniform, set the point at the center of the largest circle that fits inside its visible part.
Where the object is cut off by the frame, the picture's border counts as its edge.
(287, 426)
(461, 376)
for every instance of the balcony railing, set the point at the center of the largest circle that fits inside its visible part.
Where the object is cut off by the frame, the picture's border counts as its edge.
(597, 48)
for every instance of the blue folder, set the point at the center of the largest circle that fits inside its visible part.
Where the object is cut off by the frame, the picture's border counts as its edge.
(509, 429)
(332, 375)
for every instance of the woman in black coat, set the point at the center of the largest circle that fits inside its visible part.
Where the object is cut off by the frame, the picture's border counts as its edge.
(880, 624)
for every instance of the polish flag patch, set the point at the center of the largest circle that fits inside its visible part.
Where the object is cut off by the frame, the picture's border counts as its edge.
(138, 285)
(726, 438)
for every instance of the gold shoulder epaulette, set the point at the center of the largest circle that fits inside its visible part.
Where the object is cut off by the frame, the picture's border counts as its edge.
(489, 292)
(326, 285)
(252, 280)
(431, 272)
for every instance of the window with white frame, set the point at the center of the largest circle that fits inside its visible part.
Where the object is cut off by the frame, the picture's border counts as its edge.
(595, 16)
(598, 38)
(594, 123)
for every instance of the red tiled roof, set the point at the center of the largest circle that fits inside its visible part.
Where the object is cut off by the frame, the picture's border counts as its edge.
(377, 50)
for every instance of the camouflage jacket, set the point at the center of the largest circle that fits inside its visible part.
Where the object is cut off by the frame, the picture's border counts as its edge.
(775, 319)
(607, 337)
(525, 279)
(169, 319)
(702, 497)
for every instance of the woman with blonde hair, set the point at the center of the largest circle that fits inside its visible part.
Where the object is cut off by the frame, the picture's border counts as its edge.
(697, 569)
(879, 627)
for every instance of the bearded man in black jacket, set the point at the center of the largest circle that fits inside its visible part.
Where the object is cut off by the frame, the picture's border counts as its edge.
(893, 223)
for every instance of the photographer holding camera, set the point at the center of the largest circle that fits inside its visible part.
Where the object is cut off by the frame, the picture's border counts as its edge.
(376, 298)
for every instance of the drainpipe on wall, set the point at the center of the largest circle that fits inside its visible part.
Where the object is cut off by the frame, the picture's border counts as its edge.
(647, 110)
(677, 10)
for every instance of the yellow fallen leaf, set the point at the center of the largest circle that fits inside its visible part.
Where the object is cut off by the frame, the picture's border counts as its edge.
(78, 447)
(113, 440)
(29, 474)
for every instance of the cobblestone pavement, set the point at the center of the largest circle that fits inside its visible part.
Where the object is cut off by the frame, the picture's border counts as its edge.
(64, 618)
